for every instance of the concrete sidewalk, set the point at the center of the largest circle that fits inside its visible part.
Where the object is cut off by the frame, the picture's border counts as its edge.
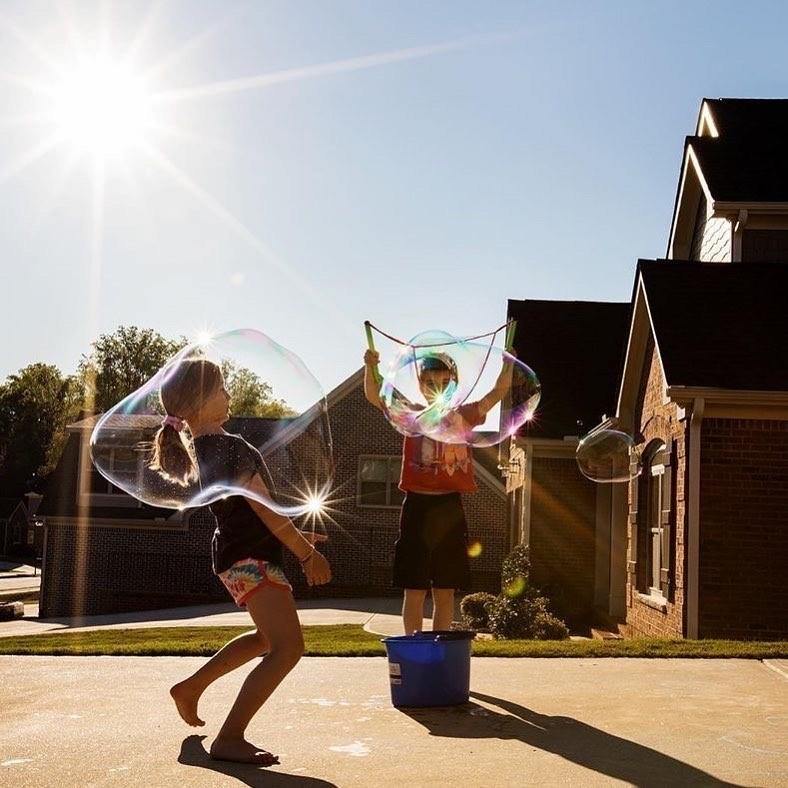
(378, 615)
(75, 721)
(18, 581)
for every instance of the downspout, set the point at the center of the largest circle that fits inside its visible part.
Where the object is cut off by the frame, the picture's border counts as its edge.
(693, 518)
(525, 522)
(42, 590)
(738, 231)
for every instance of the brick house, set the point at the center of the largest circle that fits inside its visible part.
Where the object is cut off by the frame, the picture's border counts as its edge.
(698, 544)
(706, 521)
(21, 534)
(577, 349)
(106, 552)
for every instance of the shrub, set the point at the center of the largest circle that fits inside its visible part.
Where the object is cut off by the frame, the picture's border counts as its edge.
(475, 610)
(524, 617)
(516, 574)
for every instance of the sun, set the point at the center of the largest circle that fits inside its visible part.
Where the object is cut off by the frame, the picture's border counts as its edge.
(102, 107)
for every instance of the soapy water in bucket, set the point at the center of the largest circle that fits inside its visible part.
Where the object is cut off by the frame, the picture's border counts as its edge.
(278, 450)
(432, 384)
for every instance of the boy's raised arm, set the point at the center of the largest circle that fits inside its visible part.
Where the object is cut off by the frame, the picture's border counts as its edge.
(499, 390)
(371, 386)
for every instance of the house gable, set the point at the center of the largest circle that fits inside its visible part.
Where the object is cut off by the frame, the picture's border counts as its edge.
(732, 195)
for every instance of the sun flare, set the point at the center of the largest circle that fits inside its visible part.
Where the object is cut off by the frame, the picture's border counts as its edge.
(103, 107)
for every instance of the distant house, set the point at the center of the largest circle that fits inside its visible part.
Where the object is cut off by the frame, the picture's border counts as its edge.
(105, 551)
(698, 544)
(21, 534)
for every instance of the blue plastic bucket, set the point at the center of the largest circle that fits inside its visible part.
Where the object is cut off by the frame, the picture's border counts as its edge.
(429, 668)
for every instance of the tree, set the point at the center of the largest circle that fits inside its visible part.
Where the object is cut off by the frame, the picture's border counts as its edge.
(35, 405)
(121, 362)
(252, 396)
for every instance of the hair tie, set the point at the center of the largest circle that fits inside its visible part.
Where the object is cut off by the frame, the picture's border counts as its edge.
(174, 422)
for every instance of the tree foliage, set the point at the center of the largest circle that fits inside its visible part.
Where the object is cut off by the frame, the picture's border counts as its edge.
(251, 396)
(35, 405)
(120, 362)
(38, 402)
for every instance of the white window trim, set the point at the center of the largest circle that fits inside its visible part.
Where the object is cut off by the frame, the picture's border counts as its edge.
(121, 499)
(651, 596)
(654, 600)
(359, 501)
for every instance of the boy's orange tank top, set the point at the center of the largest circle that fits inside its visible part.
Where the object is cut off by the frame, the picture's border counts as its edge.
(431, 466)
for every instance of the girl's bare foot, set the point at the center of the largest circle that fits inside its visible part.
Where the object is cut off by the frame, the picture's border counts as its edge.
(186, 699)
(241, 751)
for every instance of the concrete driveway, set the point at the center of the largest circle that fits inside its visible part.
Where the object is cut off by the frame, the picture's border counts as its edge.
(72, 721)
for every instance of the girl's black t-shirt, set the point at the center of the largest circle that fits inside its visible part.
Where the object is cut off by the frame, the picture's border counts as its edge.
(229, 461)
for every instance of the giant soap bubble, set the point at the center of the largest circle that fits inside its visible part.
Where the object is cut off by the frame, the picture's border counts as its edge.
(433, 385)
(243, 416)
(607, 456)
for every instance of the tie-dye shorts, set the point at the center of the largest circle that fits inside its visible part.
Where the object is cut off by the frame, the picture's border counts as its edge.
(248, 575)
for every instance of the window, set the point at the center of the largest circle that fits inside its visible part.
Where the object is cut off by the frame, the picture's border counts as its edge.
(125, 460)
(31, 537)
(654, 481)
(378, 478)
(654, 523)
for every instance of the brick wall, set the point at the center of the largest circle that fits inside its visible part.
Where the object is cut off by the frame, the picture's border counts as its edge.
(563, 522)
(132, 568)
(91, 570)
(743, 582)
(658, 422)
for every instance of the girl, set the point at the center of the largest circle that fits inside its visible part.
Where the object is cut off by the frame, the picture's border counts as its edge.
(246, 551)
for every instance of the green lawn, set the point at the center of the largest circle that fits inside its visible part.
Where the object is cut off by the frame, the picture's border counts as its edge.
(350, 640)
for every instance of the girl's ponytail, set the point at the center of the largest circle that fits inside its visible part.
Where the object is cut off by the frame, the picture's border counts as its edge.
(185, 390)
(172, 457)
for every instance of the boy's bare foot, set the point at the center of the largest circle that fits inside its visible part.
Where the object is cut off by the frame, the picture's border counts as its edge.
(241, 751)
(186, 699)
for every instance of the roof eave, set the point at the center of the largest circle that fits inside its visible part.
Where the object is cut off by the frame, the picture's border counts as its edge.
(720, 207)
(685, 394)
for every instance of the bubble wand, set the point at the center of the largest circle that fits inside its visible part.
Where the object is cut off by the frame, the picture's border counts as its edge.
(371, 346)
(511, 328)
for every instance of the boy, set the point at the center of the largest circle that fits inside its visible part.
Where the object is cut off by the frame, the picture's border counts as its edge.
(431, 551)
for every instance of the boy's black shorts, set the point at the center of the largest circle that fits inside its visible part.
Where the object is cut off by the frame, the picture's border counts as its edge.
(431, 551)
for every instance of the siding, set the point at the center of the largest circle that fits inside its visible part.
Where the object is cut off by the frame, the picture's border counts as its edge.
(563, 523)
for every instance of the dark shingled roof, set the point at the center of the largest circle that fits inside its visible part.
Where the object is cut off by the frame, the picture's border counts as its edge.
(748, 162)
(576, 349)
(721, 325)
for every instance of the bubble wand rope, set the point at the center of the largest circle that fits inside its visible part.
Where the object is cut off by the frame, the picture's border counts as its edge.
(369, 326)
(371, 345)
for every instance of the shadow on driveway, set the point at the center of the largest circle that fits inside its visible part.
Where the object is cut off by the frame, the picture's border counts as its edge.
(567, 737)
(193, 753)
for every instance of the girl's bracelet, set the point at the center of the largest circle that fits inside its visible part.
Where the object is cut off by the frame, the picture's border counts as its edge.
(303, 561)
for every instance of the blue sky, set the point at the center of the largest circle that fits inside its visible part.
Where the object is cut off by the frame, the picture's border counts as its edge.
(535, 156)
